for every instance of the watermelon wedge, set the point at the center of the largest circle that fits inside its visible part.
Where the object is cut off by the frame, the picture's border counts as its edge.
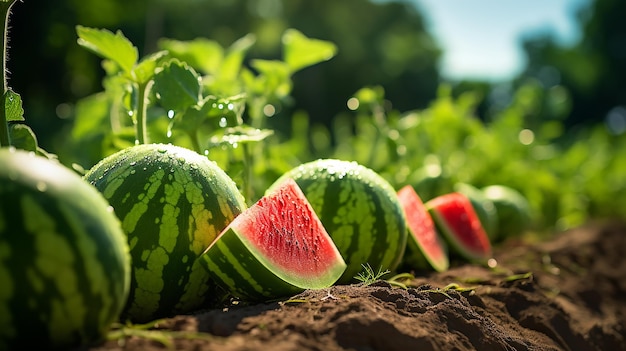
(459, 224)
(424, 246)
(276, 248)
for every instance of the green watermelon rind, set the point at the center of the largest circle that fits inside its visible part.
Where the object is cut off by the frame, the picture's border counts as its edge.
(71, 276)
(375, 213)
(514, 211)
(451, 238)
(172, 202)
(239, 267)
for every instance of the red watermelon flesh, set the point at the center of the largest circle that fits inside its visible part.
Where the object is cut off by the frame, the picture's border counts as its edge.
(424, 237)
(284, 229)
(455, 217)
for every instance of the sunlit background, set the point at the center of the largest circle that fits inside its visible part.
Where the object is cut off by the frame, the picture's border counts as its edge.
(409, 48)
(482, 39)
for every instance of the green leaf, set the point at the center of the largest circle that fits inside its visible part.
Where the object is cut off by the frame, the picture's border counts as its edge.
(22, 137)
(300, 51)
(91, 116)
(274, 78)
(115, 47)
(13, 106)
(203, 54)
(145, 70)
(238, 135)
(234, 57)
(177, 86)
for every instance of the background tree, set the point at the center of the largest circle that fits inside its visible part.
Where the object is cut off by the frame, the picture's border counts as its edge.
(592, 70)
(383, 44)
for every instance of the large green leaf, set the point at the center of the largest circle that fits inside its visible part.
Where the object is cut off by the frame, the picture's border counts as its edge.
(22, 137)
(115, 47)
(177, 86)
(13, 106)
(203, 54)
(301, 51)
(145, 70)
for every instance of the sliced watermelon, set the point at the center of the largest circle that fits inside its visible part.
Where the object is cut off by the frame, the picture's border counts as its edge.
(459, 224)
(424, 244)
(276, 248)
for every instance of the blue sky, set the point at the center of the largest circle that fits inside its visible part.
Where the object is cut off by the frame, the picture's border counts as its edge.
(481, 38)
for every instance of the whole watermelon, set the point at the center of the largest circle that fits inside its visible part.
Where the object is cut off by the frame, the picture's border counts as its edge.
(64, 260)
(172, 202)
(359, 209)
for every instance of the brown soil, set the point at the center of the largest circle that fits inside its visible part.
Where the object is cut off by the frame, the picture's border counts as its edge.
(565, 294)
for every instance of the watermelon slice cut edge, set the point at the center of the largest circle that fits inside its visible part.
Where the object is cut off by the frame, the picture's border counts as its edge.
(423, 240)
(275, 247)
(459, 224)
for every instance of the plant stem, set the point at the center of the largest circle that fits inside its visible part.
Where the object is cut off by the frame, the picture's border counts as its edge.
(248, 190)
(143, 89)
(5, 10)
(379, 117)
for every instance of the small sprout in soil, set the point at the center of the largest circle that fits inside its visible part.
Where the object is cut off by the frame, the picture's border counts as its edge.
(401, 280)
(368, 276)
(121, 332)
(452, 286)
(294, 301)
(514, 277)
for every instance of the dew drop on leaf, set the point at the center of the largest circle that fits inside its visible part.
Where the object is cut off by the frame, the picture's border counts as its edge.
(223, 122)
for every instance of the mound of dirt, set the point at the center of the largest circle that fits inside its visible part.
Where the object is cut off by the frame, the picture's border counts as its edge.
(565, 294)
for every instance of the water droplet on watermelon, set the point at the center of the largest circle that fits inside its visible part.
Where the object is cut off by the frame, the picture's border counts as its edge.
(133, 163)
(162, 150)
(132, 171)
(41, 186)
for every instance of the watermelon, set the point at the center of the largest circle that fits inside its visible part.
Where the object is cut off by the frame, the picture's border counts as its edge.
(514, 214)
(173, 202)
(424, 246)
(277, 247)
(484, 207)
(459, 224)
(359, 209)
(64, 259)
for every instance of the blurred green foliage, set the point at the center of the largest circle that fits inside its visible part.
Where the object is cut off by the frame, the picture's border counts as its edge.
(592, 69)
(381, 43)
(378, 101)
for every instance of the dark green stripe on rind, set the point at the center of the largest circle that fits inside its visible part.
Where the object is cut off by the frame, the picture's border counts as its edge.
(231, 265)
(361, 220)
(64, 268)
(172, 204)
